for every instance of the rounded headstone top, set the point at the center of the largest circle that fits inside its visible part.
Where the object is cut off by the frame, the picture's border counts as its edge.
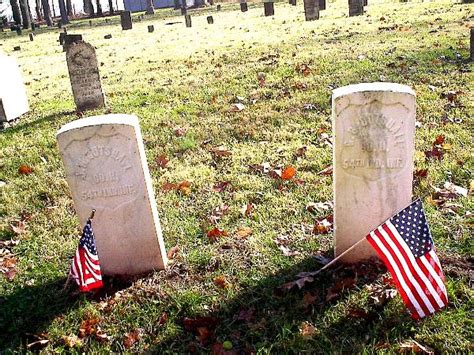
(367, 87)
(117, 119)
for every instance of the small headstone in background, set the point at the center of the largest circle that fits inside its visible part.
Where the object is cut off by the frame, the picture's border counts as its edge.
(32, 37)
(69, 39)
(187, 18)
(106, 170)
(356, 7)
(210, 20)
(106, 20)
(472, 43)
(373, 130)
(90, 23)
(365, 3)
(126, 20)
(243, 6)
(184, 11)
(18, 31)
(218, 7)
(311, 9)
(65, 29)
(151, 28)
(62, 35)
(269, 8)
(84, 76)
(17, 48)
(60, 24)
(322, 5)
(13, 99)
(292, 2)
(33, 26)
(109, 36)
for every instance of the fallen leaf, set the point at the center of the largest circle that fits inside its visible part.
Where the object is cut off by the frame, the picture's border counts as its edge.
(221, 281)
(129, 339)
(88, 327)
(416, 348)
(184, 187)
(19, 227)
(221, 186)
(301, 152)
(326, 171)
(216, 233)
(173, 252)
(37, 345)
(335, 290)
(179, 131)
(288, 173)
(323, 226)
(247, 315)
(261, 79)
(71, 341)
(439, 140)
(458, 190)
(25, 169)
(247, 209)
(220, 152)
(191, 324)
(204, 335)
(314, 207)
(307, 329)
(162, 161)
(243, 232)
(309, 299)
(237, 107)
(421, 173)
(163, 318)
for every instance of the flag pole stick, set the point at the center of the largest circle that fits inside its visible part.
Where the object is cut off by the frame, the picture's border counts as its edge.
(333, 261)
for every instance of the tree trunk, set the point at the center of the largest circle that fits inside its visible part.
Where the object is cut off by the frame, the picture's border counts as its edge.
(39, 16)
(47, 12)
(99, 9)
(63, 11)
(89, 8)
(150, 9)
(69, 8)
(16, 11)
(111, 7)
(25, 14)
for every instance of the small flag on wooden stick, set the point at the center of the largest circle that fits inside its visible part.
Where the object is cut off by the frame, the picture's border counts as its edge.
(405, 245)
(85, 268)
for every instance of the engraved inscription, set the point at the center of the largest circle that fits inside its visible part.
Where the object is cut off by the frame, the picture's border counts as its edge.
(104, 172)
(373, 137)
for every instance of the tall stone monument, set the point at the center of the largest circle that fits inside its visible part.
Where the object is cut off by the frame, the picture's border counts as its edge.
(243, 6)
(106, 170)
(13, 99)
(84, 76)
(311, 10)
(373, 130)
(322, 5)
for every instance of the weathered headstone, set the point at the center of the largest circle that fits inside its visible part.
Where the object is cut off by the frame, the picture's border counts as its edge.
(218, 7)
(90, 23)
(322, 5)
(17, 48)
(106, 170)
(126, 20)
(13, 99)
(244, 6)
(269, 8)
(365, 3)
(33, 26)
(311, 10)
(292, 2)
(151, 28)
(356, 7)
(187, 19)
(108, 36)
(184, 10)
(18, 31)
(472, 43)
(32, 37)
(84, 76)
(62, 36)
(373, 129)
(210, 20)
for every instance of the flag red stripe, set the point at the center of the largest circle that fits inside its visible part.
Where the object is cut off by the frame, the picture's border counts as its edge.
(410, 281)
(413, 311)
(410, 261)
(436, 273)
(431, 277)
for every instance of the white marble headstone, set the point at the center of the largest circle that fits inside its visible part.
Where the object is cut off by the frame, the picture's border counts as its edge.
(373, 128)
(106, 170)
(13, 99)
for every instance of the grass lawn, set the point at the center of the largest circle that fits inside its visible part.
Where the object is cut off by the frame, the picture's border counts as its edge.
(183, 83)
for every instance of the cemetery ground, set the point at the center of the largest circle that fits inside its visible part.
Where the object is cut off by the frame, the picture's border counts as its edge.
(237, 129)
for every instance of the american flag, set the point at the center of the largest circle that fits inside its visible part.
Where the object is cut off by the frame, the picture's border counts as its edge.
(85, 268)
(405, 245)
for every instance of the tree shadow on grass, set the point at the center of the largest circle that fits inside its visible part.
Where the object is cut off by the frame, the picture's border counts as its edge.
(18, 125)
(316, 318)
